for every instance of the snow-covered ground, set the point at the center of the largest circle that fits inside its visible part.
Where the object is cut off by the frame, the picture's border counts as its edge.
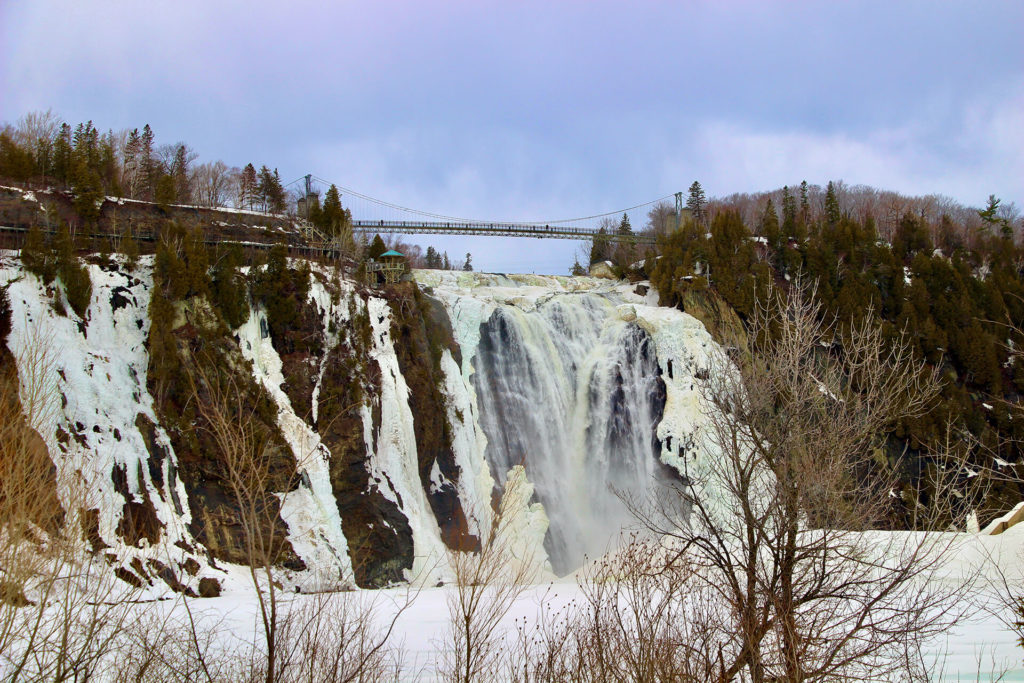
(979, 648)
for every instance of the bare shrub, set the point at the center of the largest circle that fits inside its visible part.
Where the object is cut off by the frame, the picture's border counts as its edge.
(488, 582)
(636, 621)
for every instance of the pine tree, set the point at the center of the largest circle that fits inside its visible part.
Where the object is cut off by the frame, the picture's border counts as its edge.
(180, 174)
(276, 194)
(788, 213)
(15, 161)
(600, 249)
(148, 166)
(447, 264)
(165, 194)
(61, 171)
(696, 203)
(433, 260)
(468, 265)
(264, 181)
(333, 218)
(88, 191)
(805, 204)
(130, 249)
(77, 284)
(35, 255)
(624, 226)
(377, 247)
(130, 163)
(247, 187)
(110, 173)
(228, 287)
(832, 214)
(988, 214)
(769, 226)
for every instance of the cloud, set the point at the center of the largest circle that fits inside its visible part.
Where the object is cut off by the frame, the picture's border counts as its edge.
(982, 154)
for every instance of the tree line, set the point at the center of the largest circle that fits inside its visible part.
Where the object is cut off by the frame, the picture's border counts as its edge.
(952, 289)
(41, 149)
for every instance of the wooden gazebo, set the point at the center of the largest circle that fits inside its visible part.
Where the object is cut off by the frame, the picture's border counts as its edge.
(391, 265)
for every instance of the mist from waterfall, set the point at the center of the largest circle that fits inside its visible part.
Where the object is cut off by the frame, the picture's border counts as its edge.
(574, 393)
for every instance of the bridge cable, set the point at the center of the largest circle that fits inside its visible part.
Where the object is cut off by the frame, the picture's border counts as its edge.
(399, 207)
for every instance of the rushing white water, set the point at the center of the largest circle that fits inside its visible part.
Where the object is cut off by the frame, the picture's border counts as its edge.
(587, 384)
(574, 394)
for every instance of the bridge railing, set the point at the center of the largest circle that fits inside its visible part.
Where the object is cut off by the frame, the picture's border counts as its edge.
(507, 229)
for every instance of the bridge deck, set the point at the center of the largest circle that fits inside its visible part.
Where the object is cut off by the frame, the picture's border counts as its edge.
(494, 229)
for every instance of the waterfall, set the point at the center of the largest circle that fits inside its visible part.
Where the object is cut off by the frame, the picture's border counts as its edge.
(574, 393)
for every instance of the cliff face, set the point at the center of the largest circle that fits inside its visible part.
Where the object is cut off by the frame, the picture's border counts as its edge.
(342, 428)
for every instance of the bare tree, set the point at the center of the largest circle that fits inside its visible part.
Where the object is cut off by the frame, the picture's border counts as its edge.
(637, 620)
(331, 637)
(212, 183)
(229, 417)
(780, 517)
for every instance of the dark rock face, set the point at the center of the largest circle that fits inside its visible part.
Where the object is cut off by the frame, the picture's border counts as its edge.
(378, 533)
(421, 333)
(202, 351)
(301, 348)
(23, 453)
(157, 453)
(138, 517)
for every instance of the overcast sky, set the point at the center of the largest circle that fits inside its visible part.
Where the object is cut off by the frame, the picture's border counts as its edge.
(545, 110)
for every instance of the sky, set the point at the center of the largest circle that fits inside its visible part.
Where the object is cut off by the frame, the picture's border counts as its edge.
(545, 110)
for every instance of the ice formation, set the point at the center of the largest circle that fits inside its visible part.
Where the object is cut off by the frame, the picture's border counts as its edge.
(589, 386)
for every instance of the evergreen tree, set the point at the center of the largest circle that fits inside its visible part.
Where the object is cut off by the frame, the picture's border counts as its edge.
(788, 213)
(468, 265)
(988, 214)
(600, 249)
(264, 181)
(247, 187)
(35, 255)
(447, 264)
(832, 213)
(131, 163)
(229, 287)
(334, 219)
(110, 173)
(61, 171)
(769, 227)
(149, 169)
(130, 249)
(696, 203)
(15, 161)
(165, 194)
(88, 191)
(624, 226)
(77, 284)
(377, 247)
(275, 194)
(805, 204)
(180, 174)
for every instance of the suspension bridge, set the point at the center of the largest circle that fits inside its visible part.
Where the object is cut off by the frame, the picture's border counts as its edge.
(371, 215)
